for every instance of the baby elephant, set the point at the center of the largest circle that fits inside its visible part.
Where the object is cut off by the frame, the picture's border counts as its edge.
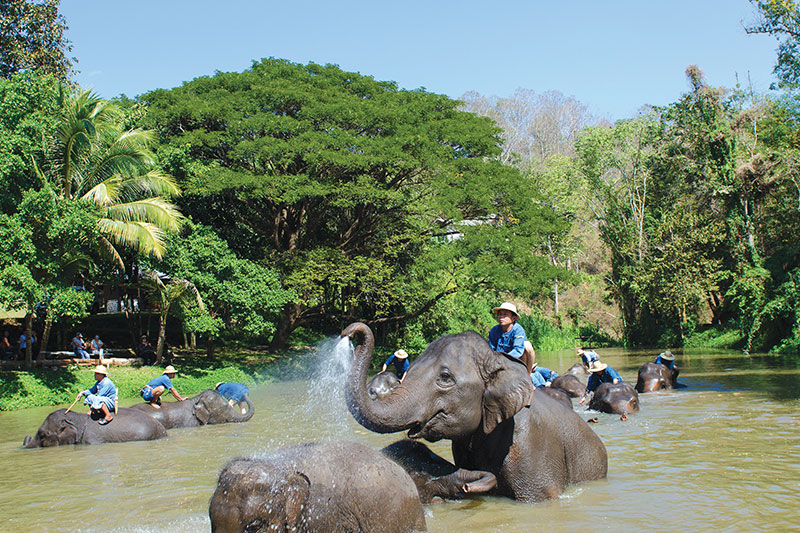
(332, 486)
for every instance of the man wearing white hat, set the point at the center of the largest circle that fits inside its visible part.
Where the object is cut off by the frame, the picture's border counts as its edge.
(102, 396)
(401, 364)
(157, 386)
(508, 336)
(667, 359)
(599, 373)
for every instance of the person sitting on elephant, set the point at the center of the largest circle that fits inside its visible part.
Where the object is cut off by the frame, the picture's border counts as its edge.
(401, 364)
(541, 376)
(599, 373)
(587, 356)
(667, 359)
(152, 392)
(509, 337)
(234, 393)
(102, 396)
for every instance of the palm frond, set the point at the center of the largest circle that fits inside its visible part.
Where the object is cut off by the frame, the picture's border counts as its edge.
(143, 236)
(156, 211)
(153, 183)
(105, 193)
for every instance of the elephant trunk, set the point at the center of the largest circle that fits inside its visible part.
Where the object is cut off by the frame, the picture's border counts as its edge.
(29, 442)
(394, 412)
(250, 411)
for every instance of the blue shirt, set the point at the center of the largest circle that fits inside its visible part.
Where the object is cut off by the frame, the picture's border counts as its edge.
(104, 387)
(667, 363)
(400, 365)
(606, 376)
(511, 342)
(233, 391)
(589, 356)
(163, 379)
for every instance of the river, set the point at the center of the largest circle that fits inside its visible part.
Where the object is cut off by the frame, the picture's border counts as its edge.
(723, 454)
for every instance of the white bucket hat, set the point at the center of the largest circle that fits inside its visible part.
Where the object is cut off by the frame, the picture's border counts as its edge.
(667, 355)
(508, 306)
(100, 369)
(597, 366)
(401, 354)
(170, 370)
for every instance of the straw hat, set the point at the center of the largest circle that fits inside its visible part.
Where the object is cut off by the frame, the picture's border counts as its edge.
(508, 306)
(100, 369)
(170, 370)
(401, 354)
(667, 355)
(597, 366)
(218, 384)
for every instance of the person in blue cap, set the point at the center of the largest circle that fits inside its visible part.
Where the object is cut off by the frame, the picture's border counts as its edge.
(234, 393)
(102, 396)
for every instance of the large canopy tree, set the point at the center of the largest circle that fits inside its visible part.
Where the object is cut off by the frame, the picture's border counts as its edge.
(344, 183)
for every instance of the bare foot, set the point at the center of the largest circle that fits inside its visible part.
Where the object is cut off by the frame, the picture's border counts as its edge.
(592, 420)
(155, 406)
(623, 417)
(244, 411)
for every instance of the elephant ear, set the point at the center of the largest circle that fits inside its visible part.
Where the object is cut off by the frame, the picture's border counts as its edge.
(298, 488)
(508, 388)
(201, 412)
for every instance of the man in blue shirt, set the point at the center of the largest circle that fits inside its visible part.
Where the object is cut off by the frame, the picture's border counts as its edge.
(667, 359)
(599, 373)
(157, 386)
(234, 393)
(79, 347)
(587, 356)
(401, 364)
(541, 376)
(102, 396)
(508, 336)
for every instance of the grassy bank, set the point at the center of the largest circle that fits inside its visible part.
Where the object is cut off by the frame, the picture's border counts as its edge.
(20, 389)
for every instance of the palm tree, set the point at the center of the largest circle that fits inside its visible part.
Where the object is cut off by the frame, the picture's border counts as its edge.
(94, 159)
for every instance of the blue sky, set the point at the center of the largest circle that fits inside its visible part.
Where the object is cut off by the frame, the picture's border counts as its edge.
(614, 55)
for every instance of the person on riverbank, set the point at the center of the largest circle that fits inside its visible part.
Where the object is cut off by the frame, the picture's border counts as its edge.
(79, 346)
(5, 347)
(401, 364)
(23, 344)
(509, 337)
(97, 347)
(599, 373)
(234, 393)
(145, 350)
(541, 376)
(152, 392)
(102, 396)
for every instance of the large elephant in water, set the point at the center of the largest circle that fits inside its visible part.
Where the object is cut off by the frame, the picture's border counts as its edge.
(483, 401)
(655, 376)
(619, 398)
(66, 427)
(334, 486)
(570, 384)
(208, 407)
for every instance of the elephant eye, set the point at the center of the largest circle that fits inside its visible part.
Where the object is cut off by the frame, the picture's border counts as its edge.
(445, 379)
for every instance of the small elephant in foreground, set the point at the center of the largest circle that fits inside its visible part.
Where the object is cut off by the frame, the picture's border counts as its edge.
(617, 398)
(655, 376)
(382, 385)
(208, 407)
(64, 427)
(331, 487)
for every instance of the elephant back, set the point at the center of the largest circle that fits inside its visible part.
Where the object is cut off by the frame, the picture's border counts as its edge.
(617, 398)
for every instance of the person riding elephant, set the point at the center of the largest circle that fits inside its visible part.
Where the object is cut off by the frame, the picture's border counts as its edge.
(208, 407)
(483, 401)
(509, 338)
(653, 377)
(64, 427)
(327, 486)
(599, 373)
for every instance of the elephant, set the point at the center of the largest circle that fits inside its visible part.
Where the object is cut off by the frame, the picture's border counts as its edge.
(579, 371)
(483, 401)
(619, 398)
(63, 427)
(570, 384)
(331, 486)
(436, 478)
(382, 384)
(655, 376)
(208, 407)
(556, 393)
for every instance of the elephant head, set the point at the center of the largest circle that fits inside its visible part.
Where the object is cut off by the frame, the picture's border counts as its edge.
(620, 398)
(456, 387)
(209, 407)
(59, 428)
(653, 377)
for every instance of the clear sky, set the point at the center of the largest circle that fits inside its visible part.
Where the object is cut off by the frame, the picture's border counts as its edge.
(614, 55)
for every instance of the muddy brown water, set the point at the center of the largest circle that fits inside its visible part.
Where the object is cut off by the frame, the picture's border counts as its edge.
(723, 454)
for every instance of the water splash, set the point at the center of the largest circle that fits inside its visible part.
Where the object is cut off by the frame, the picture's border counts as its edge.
(325, 398)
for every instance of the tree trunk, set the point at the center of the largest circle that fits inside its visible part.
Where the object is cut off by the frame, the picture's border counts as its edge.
(555, 297)
(29, 344)
(193, 340)
(48, 324)
(162, 337)
(210, 347)
(287, 323)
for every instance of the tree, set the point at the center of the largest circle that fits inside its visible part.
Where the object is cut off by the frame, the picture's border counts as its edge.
(341, 181)
(32, 38)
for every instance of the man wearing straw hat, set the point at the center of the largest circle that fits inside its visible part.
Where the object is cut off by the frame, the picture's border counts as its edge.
(155, 388)
(599, 373)
(102, 396)
(509, 337)
(667, 359)
(401, 364)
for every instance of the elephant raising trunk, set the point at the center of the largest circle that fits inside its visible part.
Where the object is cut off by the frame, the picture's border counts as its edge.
(376, 414)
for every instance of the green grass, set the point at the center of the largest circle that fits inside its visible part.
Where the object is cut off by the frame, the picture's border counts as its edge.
(715, 338)
(38, 387)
